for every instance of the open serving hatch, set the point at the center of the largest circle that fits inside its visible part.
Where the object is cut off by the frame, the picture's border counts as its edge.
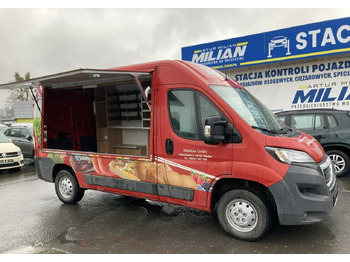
(104, 111)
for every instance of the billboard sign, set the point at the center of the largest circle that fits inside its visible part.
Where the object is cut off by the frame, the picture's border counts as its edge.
(316, 84)
(311, 40)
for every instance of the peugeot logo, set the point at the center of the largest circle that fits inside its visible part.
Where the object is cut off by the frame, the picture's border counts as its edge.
(4, 155)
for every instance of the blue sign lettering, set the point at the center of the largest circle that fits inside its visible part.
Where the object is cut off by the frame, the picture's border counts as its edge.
(311, 40)
(320, 95)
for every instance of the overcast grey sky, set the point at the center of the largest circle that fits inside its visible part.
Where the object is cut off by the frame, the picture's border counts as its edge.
(47, 41)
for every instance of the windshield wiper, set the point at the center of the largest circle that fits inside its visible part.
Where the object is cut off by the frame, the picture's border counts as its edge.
(288, 131)
(285, 130)
(264, 129)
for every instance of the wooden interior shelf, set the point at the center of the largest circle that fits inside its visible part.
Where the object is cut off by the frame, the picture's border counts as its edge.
(117, 111)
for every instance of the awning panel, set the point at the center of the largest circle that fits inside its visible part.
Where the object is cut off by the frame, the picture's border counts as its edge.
(78, 77)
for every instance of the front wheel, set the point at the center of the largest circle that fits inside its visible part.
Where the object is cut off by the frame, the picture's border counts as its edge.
(243, 214)
(67, 188)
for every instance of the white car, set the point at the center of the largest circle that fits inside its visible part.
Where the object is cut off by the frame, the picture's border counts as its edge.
(10, 155)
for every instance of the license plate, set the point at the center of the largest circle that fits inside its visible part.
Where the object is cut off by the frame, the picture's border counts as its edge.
(6, 161)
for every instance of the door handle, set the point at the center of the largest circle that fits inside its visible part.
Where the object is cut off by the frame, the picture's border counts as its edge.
(169, 146)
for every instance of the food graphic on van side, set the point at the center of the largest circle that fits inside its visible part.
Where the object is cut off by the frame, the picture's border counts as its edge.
(175, 179)
(101, 166)
(56, 158)
(156, 172)
(141, 166)
(81, 163)
(123, 168)
(144, 170)
(162, 174)
(37, 128)
(201, 180)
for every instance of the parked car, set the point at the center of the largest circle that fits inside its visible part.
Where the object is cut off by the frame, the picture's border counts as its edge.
(22, 136)
(3, 128)
(10, 155)
(330, 127)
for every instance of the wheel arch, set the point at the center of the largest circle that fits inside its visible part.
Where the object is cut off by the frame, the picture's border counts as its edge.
(59, 167)
(343, 148)
(226, 184)
(343, 166)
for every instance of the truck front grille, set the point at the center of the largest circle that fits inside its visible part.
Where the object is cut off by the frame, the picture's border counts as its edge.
(328, 173)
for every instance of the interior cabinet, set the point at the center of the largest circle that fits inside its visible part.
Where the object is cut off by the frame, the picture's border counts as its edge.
(116, 112)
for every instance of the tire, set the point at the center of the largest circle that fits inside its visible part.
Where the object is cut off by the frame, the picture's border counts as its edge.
(67, 188)
(340, 160)
(243, 214)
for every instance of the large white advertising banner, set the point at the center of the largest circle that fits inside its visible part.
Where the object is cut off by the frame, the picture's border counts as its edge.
(317, 84)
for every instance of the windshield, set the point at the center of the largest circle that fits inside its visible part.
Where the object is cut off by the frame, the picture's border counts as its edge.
(249, 108)
(3, 138)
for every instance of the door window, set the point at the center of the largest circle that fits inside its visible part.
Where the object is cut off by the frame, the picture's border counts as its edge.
(332, 121)
(283, 118)
(183, 114)
(188, 111)
(206, 109)
(308, 122)
(302, 122)
(15, 132)
(319, 122)
(25, 133)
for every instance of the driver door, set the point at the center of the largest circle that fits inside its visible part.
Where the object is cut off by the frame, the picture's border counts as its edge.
(187, 165)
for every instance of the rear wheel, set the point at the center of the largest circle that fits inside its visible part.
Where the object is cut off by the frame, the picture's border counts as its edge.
(243, 214)
(67, 188)
(341, 161)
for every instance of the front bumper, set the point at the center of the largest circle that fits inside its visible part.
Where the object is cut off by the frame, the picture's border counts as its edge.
(11, 162)
(306, 194)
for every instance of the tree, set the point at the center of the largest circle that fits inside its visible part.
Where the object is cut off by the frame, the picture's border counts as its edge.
(18, 94)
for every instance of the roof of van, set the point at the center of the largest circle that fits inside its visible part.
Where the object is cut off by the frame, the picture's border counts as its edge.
(178, 71)
(170, 72)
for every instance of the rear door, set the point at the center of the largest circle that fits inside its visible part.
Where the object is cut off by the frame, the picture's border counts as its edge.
(25, 142)
(313, 124)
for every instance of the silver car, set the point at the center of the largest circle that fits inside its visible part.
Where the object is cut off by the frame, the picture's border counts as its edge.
(22, 137)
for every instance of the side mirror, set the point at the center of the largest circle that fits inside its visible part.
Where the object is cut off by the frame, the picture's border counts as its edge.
(217, 130)
(214, 130)
(29, 138)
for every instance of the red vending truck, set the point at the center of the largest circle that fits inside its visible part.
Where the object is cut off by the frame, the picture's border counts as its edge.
(181, 133)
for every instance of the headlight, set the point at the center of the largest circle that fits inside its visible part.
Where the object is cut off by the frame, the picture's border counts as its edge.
(288, 155)
(19, 152)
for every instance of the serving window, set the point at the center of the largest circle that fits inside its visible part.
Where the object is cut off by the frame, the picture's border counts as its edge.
(103, 116)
